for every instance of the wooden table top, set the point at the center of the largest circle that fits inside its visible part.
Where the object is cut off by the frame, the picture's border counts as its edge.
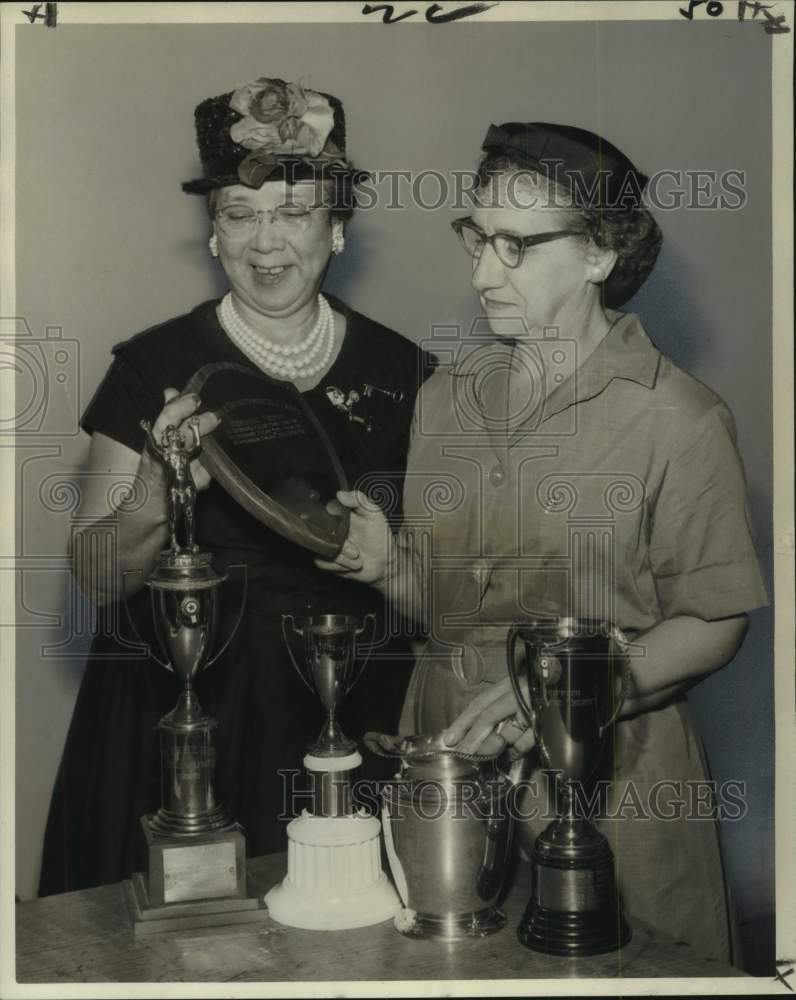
(87, 937)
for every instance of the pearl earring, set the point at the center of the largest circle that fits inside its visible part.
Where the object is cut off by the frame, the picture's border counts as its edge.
(213, 245)
(338, 239)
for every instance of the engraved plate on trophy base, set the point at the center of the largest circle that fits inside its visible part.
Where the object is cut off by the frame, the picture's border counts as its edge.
(196, 881)
(184, 869)
(571, 888)
(575, 907)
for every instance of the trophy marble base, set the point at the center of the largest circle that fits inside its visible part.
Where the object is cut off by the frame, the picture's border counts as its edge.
(195, 881)
(334, 877)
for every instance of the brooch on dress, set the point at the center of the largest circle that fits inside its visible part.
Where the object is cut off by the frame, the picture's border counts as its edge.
(346, 403)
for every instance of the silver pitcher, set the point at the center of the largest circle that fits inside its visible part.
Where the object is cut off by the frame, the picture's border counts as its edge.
(447, 831)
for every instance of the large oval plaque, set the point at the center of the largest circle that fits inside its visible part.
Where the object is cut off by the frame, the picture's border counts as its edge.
(271, 454)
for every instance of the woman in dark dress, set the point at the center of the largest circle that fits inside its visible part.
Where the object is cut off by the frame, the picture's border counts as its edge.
(279, 192)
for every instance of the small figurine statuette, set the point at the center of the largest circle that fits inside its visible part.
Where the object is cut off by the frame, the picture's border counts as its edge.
(176, 454)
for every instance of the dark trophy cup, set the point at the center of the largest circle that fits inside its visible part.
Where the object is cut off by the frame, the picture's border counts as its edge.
(196, 857)
(573, 667)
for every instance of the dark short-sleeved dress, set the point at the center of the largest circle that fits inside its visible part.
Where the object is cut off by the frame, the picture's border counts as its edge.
(621, 497)
(110, 772)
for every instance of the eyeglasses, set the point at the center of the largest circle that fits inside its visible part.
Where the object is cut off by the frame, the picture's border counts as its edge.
(510, 249)
(243, 220)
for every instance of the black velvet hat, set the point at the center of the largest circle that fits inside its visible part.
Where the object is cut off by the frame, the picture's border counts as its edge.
(270, 127)
(597, 175)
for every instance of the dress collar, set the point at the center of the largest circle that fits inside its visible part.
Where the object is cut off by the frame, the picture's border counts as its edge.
(624, 352)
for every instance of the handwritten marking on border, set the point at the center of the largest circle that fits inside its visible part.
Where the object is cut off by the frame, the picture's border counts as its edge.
(434, 13)
(780, 977)
(751, 10)
(50, 15)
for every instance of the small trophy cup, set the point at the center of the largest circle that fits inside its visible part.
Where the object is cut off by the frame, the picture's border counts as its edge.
(334, 878)
(572, 673)
(196, 872)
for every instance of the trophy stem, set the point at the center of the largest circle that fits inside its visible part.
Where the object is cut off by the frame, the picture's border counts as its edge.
(332, 741)
(568, 810)
(188, 714)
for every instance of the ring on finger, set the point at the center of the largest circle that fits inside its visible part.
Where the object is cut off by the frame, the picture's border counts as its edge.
(520, 722)
(514, 720)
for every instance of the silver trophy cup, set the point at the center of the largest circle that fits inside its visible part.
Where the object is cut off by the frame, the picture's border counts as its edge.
(196, 853)
(184, 596)
(334, 877)
(328, 670)
(577, 681)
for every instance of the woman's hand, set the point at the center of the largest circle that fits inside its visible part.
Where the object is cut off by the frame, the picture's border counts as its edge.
(141, 529)
(491, 721)
(367, 551)
(177, 411)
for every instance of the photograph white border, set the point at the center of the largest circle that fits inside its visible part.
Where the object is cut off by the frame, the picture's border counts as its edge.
(785, 591)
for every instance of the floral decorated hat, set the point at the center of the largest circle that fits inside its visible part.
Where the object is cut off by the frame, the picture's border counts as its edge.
(267, 127)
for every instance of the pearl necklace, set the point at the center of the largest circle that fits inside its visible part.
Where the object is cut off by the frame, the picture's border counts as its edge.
(291, 362)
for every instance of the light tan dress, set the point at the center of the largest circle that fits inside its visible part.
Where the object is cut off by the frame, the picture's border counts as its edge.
(618, 495)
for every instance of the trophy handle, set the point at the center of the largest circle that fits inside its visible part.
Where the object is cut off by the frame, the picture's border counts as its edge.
(357, 632)
(133, 626)
(621, 640)
(298, 631)
(511, 646)
(241, 609)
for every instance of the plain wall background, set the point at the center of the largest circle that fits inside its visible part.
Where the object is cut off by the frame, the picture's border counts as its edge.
(107, 245)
